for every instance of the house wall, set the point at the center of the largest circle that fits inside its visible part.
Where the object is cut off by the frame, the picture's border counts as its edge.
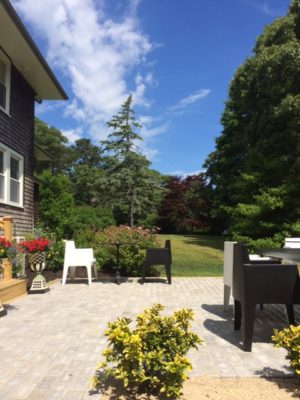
(17, 132)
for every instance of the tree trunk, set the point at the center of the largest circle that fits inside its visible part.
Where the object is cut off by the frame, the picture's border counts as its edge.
(131, 214)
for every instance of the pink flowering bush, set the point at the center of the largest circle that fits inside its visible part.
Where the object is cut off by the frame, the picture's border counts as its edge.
(133, 245)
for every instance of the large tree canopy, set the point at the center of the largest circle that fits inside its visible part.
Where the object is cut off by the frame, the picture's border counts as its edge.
(255, 169)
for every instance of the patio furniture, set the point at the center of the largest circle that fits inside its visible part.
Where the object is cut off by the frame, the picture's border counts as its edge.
(228, 268)
(158, 256)
(78, 258)
(291, 243)
(260, 283)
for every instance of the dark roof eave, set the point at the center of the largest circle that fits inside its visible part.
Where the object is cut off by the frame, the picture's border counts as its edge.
(14, 16)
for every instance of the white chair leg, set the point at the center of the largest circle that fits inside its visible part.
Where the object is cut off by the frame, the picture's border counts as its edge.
(89, 273)
(227, 290)
(65, 273)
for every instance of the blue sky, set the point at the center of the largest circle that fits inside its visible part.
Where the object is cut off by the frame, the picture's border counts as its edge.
(175, 56)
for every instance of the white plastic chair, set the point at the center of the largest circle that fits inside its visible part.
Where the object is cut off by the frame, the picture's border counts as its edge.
(291, 243)
(78, 258)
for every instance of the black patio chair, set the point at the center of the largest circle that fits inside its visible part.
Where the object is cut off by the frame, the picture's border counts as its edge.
(158, 256)
(260, 284)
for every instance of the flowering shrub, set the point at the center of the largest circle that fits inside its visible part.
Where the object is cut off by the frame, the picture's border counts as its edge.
(134, 242)
(4, 246)
(152, 355)
(289, 339)
(35, 245)
(55, 256)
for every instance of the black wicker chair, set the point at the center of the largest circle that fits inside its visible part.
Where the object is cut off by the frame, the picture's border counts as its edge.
(260, 284)
(158, 256)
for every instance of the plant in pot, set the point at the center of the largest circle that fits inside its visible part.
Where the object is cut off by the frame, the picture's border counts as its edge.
(36, 250)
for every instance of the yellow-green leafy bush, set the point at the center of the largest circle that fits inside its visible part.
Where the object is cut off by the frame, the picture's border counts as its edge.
(289, 339)
(152, 355)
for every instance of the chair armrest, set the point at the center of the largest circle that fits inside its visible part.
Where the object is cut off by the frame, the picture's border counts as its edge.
(264, 262)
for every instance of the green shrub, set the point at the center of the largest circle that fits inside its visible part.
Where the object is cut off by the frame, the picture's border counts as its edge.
(152, 356)
(132, 255)
(55, 255)
(88, 218)
(289, 339)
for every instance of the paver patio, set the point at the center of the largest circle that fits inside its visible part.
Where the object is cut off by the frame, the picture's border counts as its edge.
(51, 343)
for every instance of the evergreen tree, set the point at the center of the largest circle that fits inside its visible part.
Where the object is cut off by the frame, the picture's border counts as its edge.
(255, 169)
(129, 185)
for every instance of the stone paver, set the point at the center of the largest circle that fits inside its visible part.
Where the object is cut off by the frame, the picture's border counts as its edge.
(50, 343)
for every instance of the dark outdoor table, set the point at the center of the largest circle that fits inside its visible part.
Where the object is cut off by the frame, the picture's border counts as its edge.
(118, 245)
(288, 253)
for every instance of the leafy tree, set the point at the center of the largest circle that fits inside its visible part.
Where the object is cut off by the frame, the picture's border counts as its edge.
(185, 205)
(54, 143)
(86, 171)
(254, 170)
(88, 218)
(55, 202)
(129, 185)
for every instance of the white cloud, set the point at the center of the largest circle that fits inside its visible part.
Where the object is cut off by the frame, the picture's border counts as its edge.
(72, 134)
(268, 7)
(192, 98)
(184, 174)
(151, 129)
(96, 53)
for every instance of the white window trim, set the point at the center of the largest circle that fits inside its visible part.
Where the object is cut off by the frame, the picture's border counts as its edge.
(7, 153)
(7, 62)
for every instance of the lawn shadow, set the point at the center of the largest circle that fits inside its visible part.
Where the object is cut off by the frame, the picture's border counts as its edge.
(204, 241)
(289, 383)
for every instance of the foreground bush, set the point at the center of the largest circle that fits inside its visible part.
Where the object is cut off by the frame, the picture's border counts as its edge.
(289, 339)
(150, 357)
(132, 253)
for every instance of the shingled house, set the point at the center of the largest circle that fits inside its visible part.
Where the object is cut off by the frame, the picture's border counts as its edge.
(25, 77)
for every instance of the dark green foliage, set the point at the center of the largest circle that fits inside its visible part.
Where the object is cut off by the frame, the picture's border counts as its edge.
(254, 171)
(55, 202)
(54, 143)
(86, 172)
(89, 218)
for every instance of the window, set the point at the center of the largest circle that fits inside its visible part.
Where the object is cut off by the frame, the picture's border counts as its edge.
(4, 82)
(11, 177)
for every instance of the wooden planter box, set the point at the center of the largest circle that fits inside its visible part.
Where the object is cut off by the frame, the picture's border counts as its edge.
(10, 288)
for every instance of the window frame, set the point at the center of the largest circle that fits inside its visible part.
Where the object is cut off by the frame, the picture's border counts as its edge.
(7, 62)
(8, 153)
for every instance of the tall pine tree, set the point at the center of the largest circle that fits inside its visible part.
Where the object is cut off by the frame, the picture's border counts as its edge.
(129, 185)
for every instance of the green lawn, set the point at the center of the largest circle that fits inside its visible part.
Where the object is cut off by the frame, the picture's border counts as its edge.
(196, 255)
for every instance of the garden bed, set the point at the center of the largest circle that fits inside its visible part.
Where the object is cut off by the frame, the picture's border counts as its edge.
(207, 388)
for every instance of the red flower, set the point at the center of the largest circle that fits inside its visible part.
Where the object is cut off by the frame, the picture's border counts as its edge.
(35, 245)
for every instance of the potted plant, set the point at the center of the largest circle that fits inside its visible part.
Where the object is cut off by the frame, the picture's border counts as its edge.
(36, 250)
